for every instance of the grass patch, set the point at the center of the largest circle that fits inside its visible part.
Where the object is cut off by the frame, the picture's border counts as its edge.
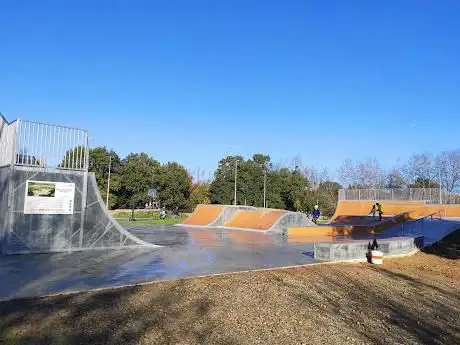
(137, 214)
(154, 221)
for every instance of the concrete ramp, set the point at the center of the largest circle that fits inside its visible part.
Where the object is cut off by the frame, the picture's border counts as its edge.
(255, 220)
(101, 230)
(90, 226)
(229, 213)
(268, 220)
(203, 215)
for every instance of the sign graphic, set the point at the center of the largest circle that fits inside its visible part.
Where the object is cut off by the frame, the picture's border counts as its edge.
(46, 197)
(152, 193)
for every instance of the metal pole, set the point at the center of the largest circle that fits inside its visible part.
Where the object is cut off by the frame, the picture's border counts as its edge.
(108, 182)
(440, 188)
(265, 188)
(236, 172)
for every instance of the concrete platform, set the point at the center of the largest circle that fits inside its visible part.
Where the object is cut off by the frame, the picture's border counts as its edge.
(357, 249)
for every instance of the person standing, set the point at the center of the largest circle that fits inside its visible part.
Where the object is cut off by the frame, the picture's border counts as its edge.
(379, 211)
(316, 214)
(373, 210)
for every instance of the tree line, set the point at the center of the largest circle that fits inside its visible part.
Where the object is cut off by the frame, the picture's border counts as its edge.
(296, 187)
(420, 171)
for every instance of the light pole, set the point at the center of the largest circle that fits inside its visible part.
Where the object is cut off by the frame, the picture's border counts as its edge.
(236, 172)
(440, 188)
(108, 183)
(265, 188)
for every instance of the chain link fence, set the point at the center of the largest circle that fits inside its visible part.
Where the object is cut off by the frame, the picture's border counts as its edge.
(429, 195)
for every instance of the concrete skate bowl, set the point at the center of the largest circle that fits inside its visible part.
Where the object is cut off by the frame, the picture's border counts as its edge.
(213, 215)
(89, 227)
(267, 220)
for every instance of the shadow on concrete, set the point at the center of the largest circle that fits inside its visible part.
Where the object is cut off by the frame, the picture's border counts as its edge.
(448, 247)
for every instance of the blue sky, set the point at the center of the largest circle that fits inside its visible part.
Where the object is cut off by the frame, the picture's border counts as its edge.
(194, 81)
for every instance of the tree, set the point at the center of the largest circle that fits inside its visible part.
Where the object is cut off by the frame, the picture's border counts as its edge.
(448, 169)
(364, 174)
(199, 194)
(99, 159)
(138, 173)
(73, 158)
(174, 186)
(420, 171)
(328, 196)
(222, 187)
(394, 179)
(315, 176)
(294, 188)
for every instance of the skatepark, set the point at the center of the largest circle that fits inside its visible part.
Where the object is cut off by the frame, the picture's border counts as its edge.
(54, 244)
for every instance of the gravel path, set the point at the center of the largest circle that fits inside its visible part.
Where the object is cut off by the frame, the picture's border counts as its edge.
(414, 300)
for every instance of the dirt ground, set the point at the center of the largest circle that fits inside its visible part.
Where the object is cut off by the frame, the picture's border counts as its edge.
(413, 300)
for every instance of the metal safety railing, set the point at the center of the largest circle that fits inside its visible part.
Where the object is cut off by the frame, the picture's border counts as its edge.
(430, 195)
(28, 143)
(416, 227)
(7, 138)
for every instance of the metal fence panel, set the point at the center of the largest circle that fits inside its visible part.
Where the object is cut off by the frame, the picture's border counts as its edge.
(7, 139)
(429, 195)
(50, 146)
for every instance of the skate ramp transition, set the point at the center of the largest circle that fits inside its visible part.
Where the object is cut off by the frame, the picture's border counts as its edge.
(267, 220)
(89, 227)
(204, 215)
(347, 208)
(213, 215)
(245, 218)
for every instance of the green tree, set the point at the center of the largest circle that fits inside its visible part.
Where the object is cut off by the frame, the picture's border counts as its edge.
(328, 196)
(99, 160)
(199, 194)
(294, 188)
(174, 186)
(222, 187)
(138, 173)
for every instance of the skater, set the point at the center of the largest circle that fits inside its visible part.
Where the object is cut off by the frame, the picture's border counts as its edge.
(316, 214)
(380, 211)
(175, 212)
(163, 213)
(373, 210)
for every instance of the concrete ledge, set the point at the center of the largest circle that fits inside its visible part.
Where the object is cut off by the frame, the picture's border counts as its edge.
(357, 249)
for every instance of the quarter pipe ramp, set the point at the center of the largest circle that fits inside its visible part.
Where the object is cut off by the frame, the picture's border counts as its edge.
(90, 226)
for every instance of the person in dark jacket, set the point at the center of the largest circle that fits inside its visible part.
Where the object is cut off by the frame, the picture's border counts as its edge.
(316, 214)
(373, 210)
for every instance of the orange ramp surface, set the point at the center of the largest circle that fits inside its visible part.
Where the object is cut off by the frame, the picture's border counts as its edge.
(204, 215)
(417, 208)
(258, 220)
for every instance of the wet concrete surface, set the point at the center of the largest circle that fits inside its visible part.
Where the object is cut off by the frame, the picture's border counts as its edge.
(187, 252)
